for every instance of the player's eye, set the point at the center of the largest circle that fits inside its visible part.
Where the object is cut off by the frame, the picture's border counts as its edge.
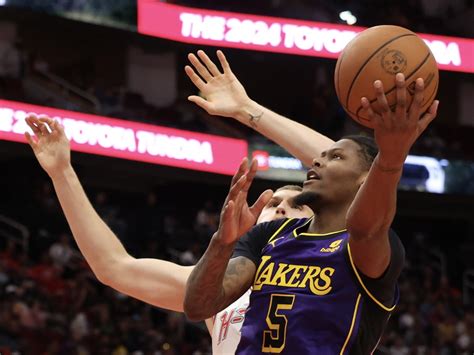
(336, 156)
(297, 207)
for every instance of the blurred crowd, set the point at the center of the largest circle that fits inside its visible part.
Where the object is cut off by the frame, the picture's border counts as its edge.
(53, 304)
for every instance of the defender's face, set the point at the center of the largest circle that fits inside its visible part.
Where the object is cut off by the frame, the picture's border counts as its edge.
(338, 173)
(282, 205)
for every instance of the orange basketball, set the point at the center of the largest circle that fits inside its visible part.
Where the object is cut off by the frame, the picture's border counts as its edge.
(379, 53)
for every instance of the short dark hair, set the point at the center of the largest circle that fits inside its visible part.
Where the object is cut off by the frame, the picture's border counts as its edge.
(368, 148)
(290, 187)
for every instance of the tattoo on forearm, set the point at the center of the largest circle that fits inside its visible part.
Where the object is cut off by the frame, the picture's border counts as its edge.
(253, 119)
(238, 269)
(212, 286)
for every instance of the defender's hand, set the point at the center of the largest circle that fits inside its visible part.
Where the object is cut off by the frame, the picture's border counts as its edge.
(223, 94)
(50, 144)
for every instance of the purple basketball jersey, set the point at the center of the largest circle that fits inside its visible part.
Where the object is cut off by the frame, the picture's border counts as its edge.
(305, 298)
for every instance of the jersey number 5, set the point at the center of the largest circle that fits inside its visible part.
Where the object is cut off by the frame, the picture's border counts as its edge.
(275, 338)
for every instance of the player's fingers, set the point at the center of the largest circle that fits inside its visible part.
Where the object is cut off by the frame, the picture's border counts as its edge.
(236, 189)
(224, 63)
(196, 79)
(415, 108)
(367, 107)
(202, 70)
(382, 101)
(401, 108)
(240, 171)
(227, 215)
(250, 175)
(429, 116)
(261, 202)
(204, 104)
(209, 63)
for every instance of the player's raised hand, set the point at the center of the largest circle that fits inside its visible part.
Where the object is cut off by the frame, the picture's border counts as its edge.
(396, 131)
(223, 94)
(49, 143)
(236, 215)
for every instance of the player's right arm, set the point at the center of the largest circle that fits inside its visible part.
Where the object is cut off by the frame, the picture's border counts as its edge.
(158, 282)
(217, 281)
(225, 96)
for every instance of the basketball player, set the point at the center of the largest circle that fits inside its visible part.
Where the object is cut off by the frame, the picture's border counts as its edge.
(324, 285)
(157, 282)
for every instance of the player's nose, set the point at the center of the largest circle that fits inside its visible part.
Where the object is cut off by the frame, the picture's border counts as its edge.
(317, 162)
(281, 211)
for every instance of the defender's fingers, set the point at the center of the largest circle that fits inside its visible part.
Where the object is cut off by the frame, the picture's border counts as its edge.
(204, 104)
(202, 70)
(209, 63)
(224, 63)
(32, 122)
(196, 79)
(33, 144)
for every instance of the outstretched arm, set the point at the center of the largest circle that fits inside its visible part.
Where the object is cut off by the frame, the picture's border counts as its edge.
(158, 282)
(215, 281)
(225, 96)
(373, 210)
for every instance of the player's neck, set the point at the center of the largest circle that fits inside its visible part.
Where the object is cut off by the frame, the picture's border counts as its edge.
(329, 220)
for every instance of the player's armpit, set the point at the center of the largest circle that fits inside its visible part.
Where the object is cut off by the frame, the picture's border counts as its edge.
(371, 256)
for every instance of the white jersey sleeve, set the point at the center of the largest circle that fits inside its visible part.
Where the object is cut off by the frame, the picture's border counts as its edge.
(227, 324)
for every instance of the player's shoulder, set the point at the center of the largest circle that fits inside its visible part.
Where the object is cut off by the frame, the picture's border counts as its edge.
(279, 225)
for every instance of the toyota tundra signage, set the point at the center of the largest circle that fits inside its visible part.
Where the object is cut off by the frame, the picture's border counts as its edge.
(130, 140)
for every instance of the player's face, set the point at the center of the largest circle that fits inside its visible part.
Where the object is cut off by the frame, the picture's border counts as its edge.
(282, 205)
(337, 174)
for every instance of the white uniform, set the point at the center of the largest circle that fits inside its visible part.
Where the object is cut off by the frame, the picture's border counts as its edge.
(227, 324)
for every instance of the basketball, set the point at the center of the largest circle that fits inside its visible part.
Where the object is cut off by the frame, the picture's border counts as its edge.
(379, 53)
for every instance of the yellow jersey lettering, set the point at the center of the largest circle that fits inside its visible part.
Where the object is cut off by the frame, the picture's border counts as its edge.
(322, 290)
(296, 275)
(317, 279)
(280, 276)
(313, 271)
(264, 277)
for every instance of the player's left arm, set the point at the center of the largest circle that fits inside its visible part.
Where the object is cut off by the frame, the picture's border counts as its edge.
(373, 209)
(217, 280)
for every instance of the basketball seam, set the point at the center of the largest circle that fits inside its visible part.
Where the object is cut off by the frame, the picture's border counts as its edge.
(338, 69)
(394, 87)
(367, 60)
